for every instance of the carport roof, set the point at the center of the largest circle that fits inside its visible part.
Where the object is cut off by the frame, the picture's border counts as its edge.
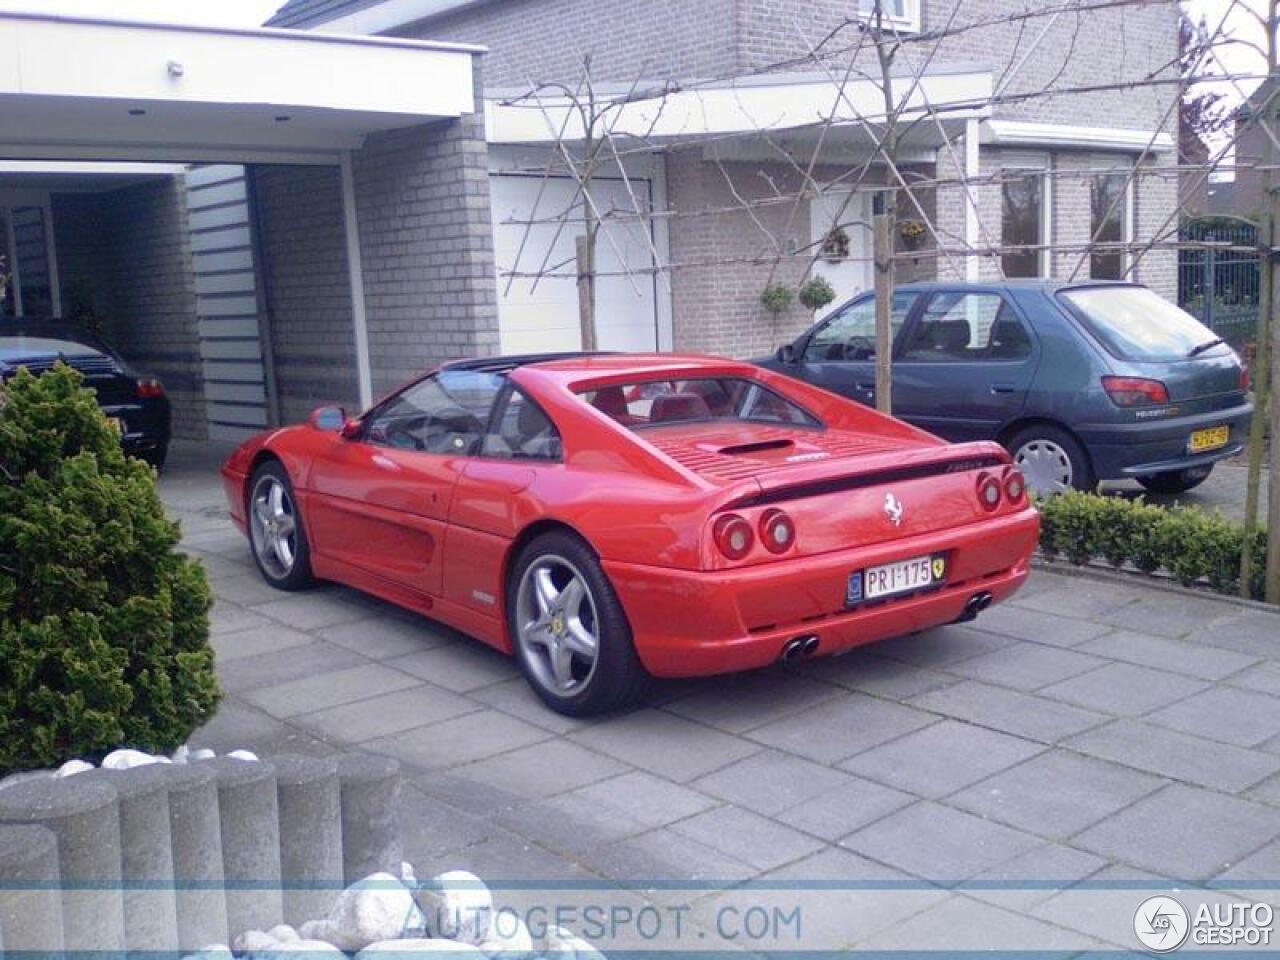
(86, 89)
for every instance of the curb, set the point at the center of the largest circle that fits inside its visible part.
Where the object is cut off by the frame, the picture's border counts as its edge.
(1107, 574)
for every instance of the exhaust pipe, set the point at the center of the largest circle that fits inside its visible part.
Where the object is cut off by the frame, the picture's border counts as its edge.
(799, 647)
(974, 606)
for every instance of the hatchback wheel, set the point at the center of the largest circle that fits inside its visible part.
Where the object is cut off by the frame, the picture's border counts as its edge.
(1176, 481)
(1052, 461)
(569, 631)
(276, 531)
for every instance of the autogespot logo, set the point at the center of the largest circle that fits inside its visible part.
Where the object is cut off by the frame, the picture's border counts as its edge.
(1161, 924)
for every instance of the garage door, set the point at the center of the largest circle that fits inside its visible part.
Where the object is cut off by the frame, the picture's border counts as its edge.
(543, 315)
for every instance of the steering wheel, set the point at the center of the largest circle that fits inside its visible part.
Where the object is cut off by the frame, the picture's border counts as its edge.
(405, 434)
(860, 348)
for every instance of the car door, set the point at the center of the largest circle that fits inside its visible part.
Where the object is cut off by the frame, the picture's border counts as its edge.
(964, 364)
(840, 354)
(380, 501)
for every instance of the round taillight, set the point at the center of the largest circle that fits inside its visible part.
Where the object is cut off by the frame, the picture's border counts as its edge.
(1015, 486)
(988, 491)
(777, 532)
(733, 536)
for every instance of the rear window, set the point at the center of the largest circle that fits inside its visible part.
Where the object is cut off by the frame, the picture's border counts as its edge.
(1135, 324)
(702, 399)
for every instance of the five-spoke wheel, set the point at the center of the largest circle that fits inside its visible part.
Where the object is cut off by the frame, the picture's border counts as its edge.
(275, 529)
(557, 624)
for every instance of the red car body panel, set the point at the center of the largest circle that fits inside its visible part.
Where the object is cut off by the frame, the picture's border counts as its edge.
(437, 533)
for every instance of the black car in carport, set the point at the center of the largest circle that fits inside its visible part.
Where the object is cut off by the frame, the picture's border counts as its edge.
(136, 403)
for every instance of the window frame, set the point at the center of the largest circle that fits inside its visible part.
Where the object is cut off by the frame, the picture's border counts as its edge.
(1125, 216)
(10, 202)
(907, 22)
(1044, 235)
(922, 307)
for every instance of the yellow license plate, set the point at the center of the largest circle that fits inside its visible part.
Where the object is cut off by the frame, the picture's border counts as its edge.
(1209, 439)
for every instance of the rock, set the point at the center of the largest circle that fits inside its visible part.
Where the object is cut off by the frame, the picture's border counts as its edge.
(72, 767)
(564, 944)
(127, 759)
(284, 933)
(508, 939)
(314, 930)
(456, 905)
(377, 908)
(217, 951)
(253, 941)
(242, 755)
(418, 945)
(201, 753)
(315, 948)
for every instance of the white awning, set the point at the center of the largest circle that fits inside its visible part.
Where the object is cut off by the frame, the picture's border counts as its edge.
(777, 103)
(80, 89)
(1013, 133)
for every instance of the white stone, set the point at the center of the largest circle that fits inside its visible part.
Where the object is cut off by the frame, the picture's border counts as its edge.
(419, 945)
(317, 948)
(201, 753)
(216, 951)
(407, 875)
(283, 933)
(253, 941)
(377, 908)
(508, 939)
(72, 767)
(127, 759)
(564, 944)
(243, 755)
(457, 905)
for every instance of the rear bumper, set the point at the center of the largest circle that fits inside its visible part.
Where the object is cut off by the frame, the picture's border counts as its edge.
(1160, 446)
(144, 424)
(693, 623)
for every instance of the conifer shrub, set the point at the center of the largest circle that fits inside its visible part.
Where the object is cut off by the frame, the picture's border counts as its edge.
(104, 625)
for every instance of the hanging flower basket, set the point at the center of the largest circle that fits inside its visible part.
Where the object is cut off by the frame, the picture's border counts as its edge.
(835, 246)
(912, 234)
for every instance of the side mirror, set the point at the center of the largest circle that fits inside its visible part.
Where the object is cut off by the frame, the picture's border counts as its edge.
(786, 353)
(328, 419)
(350, 429)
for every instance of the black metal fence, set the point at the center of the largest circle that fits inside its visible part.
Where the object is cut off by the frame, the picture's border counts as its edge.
(1218, 282)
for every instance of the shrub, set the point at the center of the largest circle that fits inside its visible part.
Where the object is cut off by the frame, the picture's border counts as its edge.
(776, 297)
(816, 293)
(104, 626)
(1190, 544)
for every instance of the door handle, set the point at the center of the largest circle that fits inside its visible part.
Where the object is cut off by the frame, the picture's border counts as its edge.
(1002, 388)
(864, 385)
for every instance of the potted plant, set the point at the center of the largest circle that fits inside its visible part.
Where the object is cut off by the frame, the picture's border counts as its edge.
(912, 234)
(816, 293)
(835, 245)
(776, 297)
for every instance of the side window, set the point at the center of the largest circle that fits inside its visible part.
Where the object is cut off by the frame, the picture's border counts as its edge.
(851, 333)
(967, 326)
(445, 413)
(522, 432)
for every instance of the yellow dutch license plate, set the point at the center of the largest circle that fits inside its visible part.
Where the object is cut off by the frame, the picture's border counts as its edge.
(1208, 439)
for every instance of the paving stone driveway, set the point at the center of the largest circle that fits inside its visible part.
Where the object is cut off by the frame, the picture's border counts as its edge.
(1086, 730)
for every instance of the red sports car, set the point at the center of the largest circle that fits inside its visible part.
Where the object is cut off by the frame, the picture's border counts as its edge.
(608, 518)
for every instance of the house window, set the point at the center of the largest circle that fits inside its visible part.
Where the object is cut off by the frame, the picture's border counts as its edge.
(24, 247)
(1023, 225)
(897, 14)
(1109, 223)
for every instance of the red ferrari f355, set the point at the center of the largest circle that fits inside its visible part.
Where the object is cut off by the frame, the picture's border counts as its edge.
(608, 518)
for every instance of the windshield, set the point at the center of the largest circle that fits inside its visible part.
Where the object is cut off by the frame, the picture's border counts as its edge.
(1135, 324)
(662, 402)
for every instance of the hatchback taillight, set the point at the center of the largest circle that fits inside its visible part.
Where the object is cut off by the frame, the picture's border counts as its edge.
(988, 491)
(1015, 485)
(733, 536)
(777, 532)
(149, 388)
(1135, 391)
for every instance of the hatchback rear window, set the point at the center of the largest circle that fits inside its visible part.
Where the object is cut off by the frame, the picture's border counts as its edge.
(665, 402)
(1135, 324)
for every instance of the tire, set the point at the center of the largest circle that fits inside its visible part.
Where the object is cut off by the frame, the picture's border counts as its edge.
(287, 568)
(1052, 460)
(1176, 481)
(557, 590)
(156, 456)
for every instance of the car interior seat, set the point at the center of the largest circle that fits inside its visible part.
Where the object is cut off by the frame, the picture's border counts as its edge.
(676, 407)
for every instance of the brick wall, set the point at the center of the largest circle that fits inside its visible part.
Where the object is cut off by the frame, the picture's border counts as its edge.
(126, 256)
(531, 41)
(304, 265)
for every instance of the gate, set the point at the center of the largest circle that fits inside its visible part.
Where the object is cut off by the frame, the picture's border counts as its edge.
(1218, 282)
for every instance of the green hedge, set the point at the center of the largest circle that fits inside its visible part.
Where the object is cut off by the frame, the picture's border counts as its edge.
(104, 625)
(1191, 545)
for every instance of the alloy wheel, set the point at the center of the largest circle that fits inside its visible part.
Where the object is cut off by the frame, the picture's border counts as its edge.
(1046, 466)
(275, 526)
(557, 625)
